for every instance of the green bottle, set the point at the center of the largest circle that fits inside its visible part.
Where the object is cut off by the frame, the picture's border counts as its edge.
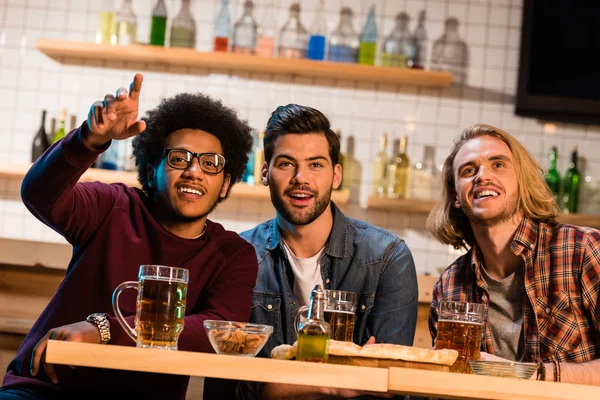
(571, 186)
(60, 132)
(158, 26)
(368, 40)
(552, 176)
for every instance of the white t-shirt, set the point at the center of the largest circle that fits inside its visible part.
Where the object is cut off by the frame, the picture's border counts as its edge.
(307, 273)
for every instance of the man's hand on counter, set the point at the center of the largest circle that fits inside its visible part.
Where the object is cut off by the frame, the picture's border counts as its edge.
(78, 332)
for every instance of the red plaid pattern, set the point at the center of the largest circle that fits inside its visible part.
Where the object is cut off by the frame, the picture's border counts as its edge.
(561, 309)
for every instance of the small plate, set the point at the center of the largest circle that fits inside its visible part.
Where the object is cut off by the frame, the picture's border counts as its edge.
(503, 369)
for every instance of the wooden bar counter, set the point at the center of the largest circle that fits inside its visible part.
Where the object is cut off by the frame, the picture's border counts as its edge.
(443, 385)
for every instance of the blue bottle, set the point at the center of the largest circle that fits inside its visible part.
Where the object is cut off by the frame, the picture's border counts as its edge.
(318, 31)
(368, 40)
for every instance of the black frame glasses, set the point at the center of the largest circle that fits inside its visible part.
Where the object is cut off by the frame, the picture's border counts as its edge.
(210, 163)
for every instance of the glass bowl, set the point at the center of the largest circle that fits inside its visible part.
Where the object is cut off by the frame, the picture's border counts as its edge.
(237, 338)
(509, 369)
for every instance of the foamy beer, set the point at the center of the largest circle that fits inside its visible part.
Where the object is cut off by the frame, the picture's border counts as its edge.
(340, 310)
(459, 327)
(160, 306)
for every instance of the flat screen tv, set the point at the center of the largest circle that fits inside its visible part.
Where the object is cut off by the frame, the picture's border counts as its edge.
(559, 71)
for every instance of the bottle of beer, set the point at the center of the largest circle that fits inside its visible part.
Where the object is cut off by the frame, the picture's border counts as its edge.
(571, 185)
(552, 176)
(40, 141)
(60, 132)
(314, 333)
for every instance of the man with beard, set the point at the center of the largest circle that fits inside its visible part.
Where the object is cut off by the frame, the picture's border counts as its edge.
(310, 241)
(189, 151)
(538, 280)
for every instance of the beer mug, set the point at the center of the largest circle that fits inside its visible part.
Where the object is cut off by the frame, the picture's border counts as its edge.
(160, 306)
(460, 327)
(340, 307)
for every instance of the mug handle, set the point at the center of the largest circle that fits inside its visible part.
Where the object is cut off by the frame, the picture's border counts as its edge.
(118, 314)
(297, 317)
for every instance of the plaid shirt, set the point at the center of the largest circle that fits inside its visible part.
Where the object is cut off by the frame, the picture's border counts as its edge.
(561, 308)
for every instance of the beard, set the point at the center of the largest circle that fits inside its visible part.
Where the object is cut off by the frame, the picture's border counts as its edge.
(509, 208)
(305, 215)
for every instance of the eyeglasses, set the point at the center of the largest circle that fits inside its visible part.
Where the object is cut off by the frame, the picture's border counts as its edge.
(211, 163)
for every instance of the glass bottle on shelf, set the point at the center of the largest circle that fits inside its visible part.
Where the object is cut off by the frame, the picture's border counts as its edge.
(420, 60)
(245, 31)
(222, 28)
(344, 41)
(265, 42)
(424, 176)
(450, 52)
(352, 171)
(341, 160)
(293, 38)
(571, 183)
(40, 140)
(368, 40)
(399, 170)
(318, 32)
(248, 175)
(397, 43)
(106, 33)
(552, 177)
(314, 333)
(126, 24)
(60, 132)
(158, 25)
(259, 158)
(380, 168)
(183, 28)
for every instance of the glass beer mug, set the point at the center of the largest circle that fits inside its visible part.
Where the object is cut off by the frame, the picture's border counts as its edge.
(160, 306)
(460, 327)
(340, 310)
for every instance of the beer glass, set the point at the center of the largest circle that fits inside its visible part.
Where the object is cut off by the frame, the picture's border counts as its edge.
(460, 327)
(160, 306)
(340, 308)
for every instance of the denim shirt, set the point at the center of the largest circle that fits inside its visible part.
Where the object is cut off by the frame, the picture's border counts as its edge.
(359, 257)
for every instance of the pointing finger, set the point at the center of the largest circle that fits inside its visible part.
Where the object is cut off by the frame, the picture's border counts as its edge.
(136, 87)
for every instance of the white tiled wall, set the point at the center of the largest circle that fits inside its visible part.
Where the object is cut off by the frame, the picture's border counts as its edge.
(30, 81)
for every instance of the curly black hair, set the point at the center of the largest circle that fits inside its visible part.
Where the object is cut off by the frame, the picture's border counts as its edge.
(193, 111)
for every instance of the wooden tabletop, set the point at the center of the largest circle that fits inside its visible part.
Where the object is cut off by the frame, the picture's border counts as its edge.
(444, 385)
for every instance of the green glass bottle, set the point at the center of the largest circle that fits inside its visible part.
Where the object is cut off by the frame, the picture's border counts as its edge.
(571, 186)
(60, 132)
(158, 25)
(552, 176)
(314, 333)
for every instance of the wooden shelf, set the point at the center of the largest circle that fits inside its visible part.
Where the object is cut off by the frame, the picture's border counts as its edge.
(60, 50)
(239, 191)
(424, 207)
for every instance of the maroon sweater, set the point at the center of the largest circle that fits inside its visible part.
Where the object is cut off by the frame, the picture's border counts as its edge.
(113, 232)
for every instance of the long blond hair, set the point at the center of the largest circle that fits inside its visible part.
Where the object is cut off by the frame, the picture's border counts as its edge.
(451, 226)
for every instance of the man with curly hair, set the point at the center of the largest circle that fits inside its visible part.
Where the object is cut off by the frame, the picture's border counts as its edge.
(190, 150)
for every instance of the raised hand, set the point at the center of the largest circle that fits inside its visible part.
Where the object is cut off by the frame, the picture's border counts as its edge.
(116, 117)
(78, 332)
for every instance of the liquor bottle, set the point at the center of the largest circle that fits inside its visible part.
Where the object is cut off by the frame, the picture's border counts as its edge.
(40, 140)
(380, 168)
(126, 24)
(552, 176)
(314, 333)
(158, 26)
(368, 40)
(222, 28)
(344, 41)
(341, 160)
(183, 28)
(245, 31)
(259, 158)
(395, 46)
(318, 31)
(571, 186)
(265, 43)
(52, 131)
(293, 38)
(72, 122)
(352, 171)
(420, 36)
(106, 33)
(450, 52)
(60, 132)
(248, 175)
(424, 176)
(399, 170)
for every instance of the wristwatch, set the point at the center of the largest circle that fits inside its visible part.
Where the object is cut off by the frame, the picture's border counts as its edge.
(100, 320)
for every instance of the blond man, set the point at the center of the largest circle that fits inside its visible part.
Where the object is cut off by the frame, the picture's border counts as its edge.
(539, 280)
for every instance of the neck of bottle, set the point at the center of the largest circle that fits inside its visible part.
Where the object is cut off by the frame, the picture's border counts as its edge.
(573, 160)
(553, 159)
(317, 309)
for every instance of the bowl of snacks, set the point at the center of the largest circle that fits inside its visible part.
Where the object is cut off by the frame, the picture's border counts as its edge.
(237, 338)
